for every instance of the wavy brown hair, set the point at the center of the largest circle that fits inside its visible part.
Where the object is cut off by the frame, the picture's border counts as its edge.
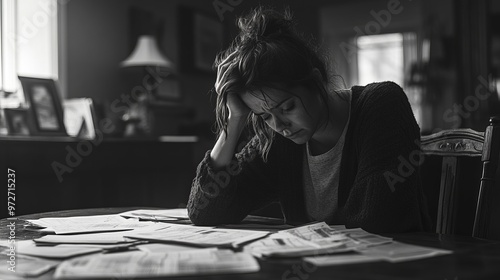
(269, 54)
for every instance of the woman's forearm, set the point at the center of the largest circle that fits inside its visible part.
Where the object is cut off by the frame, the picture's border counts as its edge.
(224, 149)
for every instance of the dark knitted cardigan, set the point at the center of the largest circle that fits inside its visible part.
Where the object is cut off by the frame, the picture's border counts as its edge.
(377, 191)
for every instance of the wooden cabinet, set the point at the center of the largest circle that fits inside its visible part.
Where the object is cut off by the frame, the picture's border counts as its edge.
(64, 173)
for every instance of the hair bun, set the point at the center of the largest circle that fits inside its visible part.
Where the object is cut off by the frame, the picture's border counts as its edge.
(262, 24)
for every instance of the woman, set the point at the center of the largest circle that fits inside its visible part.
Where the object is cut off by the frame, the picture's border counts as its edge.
(325, 155)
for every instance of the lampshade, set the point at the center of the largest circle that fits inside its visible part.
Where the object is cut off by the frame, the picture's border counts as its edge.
(146, 53)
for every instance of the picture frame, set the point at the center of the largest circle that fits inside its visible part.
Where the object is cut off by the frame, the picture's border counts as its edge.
(18, 121)
(45, 106)
(201, 38)
(80, 118)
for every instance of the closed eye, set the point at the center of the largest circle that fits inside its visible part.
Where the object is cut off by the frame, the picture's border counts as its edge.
(289, 107)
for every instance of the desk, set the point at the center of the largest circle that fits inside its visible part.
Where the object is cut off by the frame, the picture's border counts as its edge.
(472, 258)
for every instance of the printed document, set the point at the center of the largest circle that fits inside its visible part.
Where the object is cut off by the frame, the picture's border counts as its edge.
(314, 239)
(288, 245)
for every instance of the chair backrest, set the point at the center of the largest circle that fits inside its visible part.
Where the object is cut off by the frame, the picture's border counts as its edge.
(452, 145)
(487, 219)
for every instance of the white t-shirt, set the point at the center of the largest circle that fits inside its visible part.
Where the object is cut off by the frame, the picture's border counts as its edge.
(321, 176)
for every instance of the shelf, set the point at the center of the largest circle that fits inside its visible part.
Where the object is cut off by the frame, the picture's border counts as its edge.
(67, 139)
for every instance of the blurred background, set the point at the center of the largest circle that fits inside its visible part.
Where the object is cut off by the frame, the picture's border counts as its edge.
(130, 72)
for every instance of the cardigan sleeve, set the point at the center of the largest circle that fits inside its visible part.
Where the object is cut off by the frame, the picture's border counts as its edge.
(386, 194)
(229, 194)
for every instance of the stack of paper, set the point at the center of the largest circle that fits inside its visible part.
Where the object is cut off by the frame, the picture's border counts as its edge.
(141, 264)
(312, 239)
(319, 239)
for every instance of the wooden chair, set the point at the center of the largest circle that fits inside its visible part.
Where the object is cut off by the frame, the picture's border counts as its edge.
(456, 143)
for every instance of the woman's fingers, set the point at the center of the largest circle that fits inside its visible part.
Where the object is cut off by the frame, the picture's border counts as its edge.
(223, 71)
(229, 57)
(226, 62)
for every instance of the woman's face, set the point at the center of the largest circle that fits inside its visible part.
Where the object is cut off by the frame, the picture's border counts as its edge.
(295, 114)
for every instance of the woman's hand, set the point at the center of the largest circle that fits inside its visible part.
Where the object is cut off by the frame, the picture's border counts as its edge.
(237, 108)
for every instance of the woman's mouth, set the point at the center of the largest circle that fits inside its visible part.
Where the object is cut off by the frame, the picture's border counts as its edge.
(289, 134)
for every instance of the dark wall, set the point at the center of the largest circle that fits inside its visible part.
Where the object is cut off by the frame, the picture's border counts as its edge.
(98, 39)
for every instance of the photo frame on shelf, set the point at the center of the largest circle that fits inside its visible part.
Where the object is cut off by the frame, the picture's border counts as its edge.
(80, 118)
(201, 38)
(45, 106)
(17, 121)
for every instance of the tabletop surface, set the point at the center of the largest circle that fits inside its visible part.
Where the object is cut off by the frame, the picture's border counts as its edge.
(472, 258)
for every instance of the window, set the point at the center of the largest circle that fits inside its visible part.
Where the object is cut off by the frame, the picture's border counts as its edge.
(380, 58)
(389, 57)
(28, 45)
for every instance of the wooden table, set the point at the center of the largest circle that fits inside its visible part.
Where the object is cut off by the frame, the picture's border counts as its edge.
(472, 258)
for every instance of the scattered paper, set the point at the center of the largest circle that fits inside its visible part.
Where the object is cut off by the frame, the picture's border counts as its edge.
(315, 231)
(314, 239)
(399, 252)
(157, 215)
(200, 236)
(98, 223)
(322, 235)
(28, 247)
(363, 238)
(351, 258)
(164, 248)
(25, 266)
(287, 245)
(117, 237)
(141, 264)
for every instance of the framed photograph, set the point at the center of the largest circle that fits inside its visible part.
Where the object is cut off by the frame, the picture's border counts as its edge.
(201, 38)
(80, 118)
(17, 121)
(45, 106)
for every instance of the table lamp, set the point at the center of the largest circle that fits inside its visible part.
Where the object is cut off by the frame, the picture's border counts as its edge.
(145, 54)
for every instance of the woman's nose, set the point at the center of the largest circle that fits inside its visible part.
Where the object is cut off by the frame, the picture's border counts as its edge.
(279, 124)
